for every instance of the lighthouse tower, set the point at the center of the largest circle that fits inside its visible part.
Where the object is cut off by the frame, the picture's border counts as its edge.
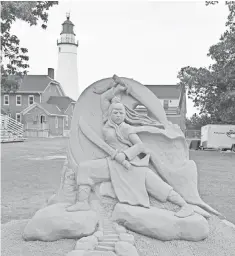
(67, 70)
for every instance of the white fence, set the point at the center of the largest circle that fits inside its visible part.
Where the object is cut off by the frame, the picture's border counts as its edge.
(11, 130)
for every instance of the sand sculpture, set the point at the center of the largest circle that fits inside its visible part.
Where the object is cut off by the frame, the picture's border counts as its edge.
(115, 151)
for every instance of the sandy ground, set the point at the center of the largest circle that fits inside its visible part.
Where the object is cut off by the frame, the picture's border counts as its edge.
(31, 173)
(216, 172)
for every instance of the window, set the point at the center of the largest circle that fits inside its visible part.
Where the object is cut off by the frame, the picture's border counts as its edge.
(31, 99)
(56, 122)
(67, 120)
(18, 117)
(166, 104)
(141, 109)
(18, 100)
(35, 119)
(6, 99)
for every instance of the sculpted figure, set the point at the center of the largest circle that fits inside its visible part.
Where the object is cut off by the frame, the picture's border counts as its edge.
(131, 177)
(117, 153)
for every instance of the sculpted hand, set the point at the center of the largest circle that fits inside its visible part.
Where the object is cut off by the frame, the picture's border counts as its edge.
(126, 164)
(120, 157)
(120, 88)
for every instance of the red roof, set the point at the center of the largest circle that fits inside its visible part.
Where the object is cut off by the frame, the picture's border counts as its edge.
(35, 83)
(52, 109)
(60, 101)
(48, 108)
(165, 91)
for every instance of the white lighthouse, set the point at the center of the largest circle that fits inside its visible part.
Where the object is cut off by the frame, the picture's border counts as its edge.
(67, 70)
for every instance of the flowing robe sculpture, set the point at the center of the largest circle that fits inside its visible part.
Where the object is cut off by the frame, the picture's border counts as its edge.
(164, 147)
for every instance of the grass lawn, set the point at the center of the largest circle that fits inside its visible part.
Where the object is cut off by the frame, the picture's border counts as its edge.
(29, 177)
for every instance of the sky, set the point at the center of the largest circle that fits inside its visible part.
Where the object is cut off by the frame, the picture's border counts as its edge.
(149, 41)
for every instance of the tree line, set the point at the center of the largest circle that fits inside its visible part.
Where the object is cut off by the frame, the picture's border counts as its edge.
(14, 57)
(212, 89)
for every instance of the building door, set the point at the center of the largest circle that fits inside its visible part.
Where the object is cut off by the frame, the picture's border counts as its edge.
(44, 127)
(42, 122)
(43, 119)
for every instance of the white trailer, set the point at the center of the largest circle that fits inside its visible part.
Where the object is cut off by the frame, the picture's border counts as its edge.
(218, 136)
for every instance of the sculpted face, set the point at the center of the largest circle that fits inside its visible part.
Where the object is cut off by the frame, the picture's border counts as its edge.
(118, 113)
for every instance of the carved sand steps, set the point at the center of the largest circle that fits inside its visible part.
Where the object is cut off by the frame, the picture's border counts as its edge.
(105, 248)
(113, 233)
(110, 237)
(107, 243)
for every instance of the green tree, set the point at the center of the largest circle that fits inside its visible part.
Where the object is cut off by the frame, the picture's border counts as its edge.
(15, 59)
(195, 122)
(212, 89)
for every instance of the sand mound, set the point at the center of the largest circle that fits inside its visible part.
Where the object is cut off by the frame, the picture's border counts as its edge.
(13, 244)
(221, 240)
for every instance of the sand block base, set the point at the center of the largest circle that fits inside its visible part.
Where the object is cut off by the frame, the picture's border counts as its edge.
(54, 222)
(161, 224)
(220, 242)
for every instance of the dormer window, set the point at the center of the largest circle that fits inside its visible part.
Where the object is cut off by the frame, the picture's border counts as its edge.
(31, 99)
(73, 107)
(6, 99)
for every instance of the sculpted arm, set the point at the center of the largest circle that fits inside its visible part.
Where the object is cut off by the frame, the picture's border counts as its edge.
(106, 97)
(137, 148)
(135, 139)
(105, 100)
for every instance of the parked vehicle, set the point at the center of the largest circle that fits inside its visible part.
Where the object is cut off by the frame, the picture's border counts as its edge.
(218, 136)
